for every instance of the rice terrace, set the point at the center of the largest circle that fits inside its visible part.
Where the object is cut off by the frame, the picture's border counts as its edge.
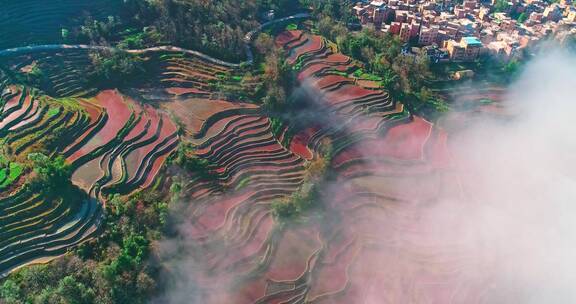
(216, 152)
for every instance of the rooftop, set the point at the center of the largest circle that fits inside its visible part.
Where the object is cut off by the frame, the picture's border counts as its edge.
(471, 40)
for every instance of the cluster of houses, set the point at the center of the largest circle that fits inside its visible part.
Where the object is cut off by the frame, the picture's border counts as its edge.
(463, 30)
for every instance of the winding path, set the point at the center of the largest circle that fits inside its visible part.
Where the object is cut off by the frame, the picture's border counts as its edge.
(59, 47)
(247, 40)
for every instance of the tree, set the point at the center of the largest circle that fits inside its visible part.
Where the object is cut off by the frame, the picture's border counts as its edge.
(264, 43)
(274, 99)
(368, 54)
(337, 9)
(279, 79)
(112, 269)
(412, 70)
(305, 198)
(10, 291)
(74, 292)
(116, 68)
(35, 75)
(98, 32)
(317, 168)
(52, 175)
(188, 160)
(389, 77)
(283, 209)
(351, 46)
(369, 45)
(325, 26)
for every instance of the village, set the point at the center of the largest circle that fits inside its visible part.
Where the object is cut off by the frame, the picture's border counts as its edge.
(463, 31)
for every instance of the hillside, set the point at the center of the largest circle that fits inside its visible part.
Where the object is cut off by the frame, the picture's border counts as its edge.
(132, 171)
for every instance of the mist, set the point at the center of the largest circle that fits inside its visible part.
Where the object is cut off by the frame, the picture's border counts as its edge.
(518, 187)
(503, 226)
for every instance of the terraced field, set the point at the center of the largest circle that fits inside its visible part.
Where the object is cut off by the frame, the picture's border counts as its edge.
(113, 144)
(117, 145)
(368, 241)
(354, 111)
(186, 76)
(63, 71)
(34, 228)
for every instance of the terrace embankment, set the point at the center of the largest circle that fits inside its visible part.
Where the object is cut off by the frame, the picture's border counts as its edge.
(126, 151)
(112, 143)
(35, 228)
(371, 241)
(117, 145)
(390, 169)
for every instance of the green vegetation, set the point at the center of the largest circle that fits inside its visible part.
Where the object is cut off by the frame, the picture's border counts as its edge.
(52, 176)
(186, 159)
(32, 75)
(66, 102)
(52, 111)
(10, 174)
(292, 27)
(276, 125)
(426, 101)
(336, 9)
(114, 269)
(360, 74)
(279, 126)
(113, 69)
(404, 76)
(307, 196)
(65, 33)
(133, 41)
(205, 26)
(35, 74)
(295, 205)
(118, 267)
(488, 68)
(235, 86)
(522, 18)
(279, 80)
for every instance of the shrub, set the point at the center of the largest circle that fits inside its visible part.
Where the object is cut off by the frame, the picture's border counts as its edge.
(117, 68)
(186, 159)
(292, 27)
(13, 171)
(134, 41)
(305, 198)
(52, 176)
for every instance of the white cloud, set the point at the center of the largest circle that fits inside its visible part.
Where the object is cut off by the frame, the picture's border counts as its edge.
(519, 180)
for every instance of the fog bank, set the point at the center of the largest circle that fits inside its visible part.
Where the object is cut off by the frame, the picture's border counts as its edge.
(503, 231)
(519, 187)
